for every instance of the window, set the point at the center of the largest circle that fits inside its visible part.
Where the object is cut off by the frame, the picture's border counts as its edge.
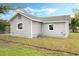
(19, 16)
(20, 26)
(50, 27)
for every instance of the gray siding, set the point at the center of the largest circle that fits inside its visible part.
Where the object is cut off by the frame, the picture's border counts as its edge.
(36, 28)
(59, 29)
(33, 28)
(25, 32)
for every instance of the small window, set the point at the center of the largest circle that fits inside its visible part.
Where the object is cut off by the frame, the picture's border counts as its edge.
(19, 16)
(20, 26)
(50, 27)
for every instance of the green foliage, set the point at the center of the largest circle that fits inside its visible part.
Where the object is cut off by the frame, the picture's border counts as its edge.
(3, 24)
(4, 9)
(73, 25)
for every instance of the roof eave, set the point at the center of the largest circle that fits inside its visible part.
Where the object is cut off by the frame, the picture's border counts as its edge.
(52, 21)
(25, 16)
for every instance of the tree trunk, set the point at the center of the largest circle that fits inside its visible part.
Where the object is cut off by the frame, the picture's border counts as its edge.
(73, 30)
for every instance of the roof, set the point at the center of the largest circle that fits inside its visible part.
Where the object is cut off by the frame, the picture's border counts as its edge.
(56, 18)
(26, 15)
(41, 19)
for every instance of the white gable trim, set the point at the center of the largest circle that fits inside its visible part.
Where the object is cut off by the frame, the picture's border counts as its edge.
(25, 16)
(31, 18)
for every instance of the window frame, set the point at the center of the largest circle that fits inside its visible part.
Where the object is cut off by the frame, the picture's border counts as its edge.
(18, 26)
(49, 27)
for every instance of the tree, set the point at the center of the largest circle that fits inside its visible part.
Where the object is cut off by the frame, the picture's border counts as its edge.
(74, 24)
(75, 21)
(3, 23)
(76, 13)
(4, 9)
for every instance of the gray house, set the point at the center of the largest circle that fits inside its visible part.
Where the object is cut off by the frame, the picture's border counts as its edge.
(25, 25)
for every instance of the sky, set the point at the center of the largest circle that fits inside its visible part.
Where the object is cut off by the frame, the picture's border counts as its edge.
(43, 9)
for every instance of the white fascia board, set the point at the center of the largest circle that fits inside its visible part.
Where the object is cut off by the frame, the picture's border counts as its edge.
(52, 21)
(12, 17)
(31, 18)
(37, 20)
(25, 16)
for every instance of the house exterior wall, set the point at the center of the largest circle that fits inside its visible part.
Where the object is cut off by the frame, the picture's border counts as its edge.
(33, 28)
(67, 29)
(36, 29)
(25, 32)
(60, 29)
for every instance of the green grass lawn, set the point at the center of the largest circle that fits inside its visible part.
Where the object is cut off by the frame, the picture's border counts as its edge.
(70, 44)
(12, 49)
(19, 50)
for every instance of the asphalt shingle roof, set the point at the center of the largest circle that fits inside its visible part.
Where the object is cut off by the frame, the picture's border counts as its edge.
(52, 18)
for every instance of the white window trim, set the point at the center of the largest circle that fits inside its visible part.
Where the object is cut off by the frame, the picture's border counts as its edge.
(17, 26)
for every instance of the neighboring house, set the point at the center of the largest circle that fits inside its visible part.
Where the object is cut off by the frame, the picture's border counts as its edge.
(24, 25)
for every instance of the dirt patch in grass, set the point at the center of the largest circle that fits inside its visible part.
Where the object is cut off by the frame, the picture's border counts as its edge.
(4, 43)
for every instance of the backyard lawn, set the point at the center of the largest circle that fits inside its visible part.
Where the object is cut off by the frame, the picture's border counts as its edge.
(46, 46)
